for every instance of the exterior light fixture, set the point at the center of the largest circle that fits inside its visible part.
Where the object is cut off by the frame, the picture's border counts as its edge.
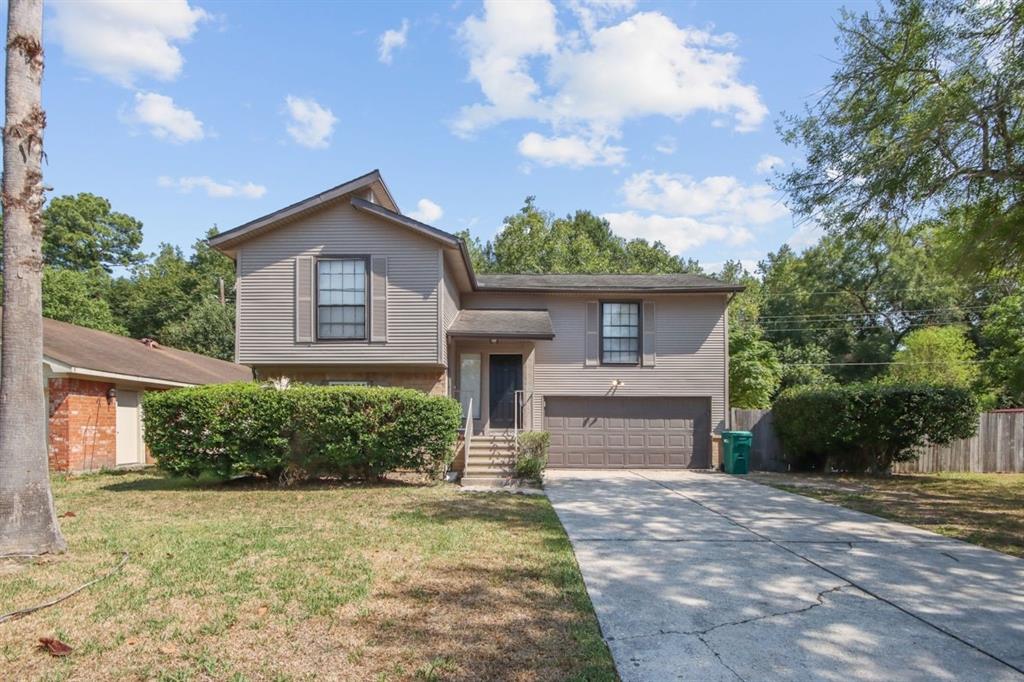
(111, 395)
(618, 382)
(494, 340)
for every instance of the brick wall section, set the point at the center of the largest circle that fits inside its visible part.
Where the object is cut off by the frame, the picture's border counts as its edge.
(83, 425)
(433, 382)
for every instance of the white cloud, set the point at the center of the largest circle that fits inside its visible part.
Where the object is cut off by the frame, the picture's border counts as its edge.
(666, 145)
(647, 65)
(805, 234)
(718, 198)
(573, 151)
(426, 211)
(682, 212)
(642, 66)
(124, 40)
(391, 40)
(165, 119)
(767, 163)
(214, 189)
(311, 124)
(499, 45)
(677, 233)
(593, 12)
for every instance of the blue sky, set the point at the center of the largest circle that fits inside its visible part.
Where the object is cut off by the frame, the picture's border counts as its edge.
(656, 115)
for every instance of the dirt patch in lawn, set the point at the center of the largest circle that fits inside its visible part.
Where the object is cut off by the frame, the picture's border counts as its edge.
(393, 581)
(985, 509)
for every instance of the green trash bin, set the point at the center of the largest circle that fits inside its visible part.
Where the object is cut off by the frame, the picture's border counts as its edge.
(736, 445)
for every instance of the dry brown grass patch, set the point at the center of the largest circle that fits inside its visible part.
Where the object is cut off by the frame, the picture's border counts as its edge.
(396, 581)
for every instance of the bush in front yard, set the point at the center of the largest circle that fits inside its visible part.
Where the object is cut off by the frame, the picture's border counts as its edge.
(349, 431)
(867, 427)
(532, 455)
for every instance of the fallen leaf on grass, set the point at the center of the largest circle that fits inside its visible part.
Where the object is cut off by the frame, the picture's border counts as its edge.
(55, 647)
(131, 642)
(66, 515)
(261, 611)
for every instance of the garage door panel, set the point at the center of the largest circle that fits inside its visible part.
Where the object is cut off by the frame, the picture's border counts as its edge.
(628, 432)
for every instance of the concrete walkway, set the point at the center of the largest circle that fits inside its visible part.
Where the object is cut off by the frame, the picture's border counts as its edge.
(699, 576)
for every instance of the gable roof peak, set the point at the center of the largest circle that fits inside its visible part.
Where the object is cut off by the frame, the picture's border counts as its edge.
(373, 181)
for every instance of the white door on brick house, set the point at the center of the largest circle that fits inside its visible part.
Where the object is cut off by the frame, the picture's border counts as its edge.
(129, 429)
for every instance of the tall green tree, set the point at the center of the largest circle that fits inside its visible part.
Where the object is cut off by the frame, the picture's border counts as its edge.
(209, 329)
(1003, 336)
(176, 300)
(859, 295)
(80, 297)
(155, 294)
(936, 355)
(83, 232)
(923, 119)
(754, 370)
(535, 241)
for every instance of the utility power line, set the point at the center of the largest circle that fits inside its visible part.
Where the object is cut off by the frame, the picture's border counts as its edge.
(933, 287)
(856, 328)
(873, 364)
(811, 317)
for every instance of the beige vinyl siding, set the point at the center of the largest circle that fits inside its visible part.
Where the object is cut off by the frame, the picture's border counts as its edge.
(266, 308)
(450, 304)
(689, 345)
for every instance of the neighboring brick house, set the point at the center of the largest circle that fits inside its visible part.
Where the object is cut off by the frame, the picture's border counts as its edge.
(94, 386)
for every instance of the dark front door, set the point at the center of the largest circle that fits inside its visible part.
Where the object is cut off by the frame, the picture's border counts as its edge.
(506, 378)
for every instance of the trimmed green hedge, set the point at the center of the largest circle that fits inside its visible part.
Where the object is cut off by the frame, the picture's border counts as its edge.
(302, 431)
(867, 427)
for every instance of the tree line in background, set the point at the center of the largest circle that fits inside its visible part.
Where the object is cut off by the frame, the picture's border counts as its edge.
(165, 296)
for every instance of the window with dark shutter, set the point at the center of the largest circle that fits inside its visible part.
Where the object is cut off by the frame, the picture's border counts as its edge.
(620, 333)
(341, 298)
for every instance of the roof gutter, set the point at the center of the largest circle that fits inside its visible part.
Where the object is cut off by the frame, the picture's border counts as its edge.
(59, 367)
(502, 335)
(618, 290)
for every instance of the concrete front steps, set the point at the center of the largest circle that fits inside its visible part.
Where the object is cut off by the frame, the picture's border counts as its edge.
(489, 460)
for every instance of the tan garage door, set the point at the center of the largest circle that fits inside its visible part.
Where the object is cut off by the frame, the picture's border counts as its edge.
(609, 433)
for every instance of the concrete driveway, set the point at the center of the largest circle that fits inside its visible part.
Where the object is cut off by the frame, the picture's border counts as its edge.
(698, 576)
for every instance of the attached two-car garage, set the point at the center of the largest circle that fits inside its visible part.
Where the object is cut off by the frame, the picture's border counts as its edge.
(634, 432)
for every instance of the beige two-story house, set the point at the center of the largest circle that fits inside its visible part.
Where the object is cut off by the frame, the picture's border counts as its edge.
(622, 370)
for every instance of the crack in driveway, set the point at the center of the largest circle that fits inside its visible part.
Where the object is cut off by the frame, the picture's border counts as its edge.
(819, 601)
(873, 595)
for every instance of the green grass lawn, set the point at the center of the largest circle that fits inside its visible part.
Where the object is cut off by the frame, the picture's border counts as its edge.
(985, 509)
(247, 581)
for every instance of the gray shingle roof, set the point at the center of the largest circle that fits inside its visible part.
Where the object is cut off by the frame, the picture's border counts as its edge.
(92, 349)
(669, 283)
(503, 323)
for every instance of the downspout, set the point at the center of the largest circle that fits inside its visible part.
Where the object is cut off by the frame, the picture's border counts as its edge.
(725, 327)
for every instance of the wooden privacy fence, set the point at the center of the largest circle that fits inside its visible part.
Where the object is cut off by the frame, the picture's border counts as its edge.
(766, 451)
(998, 446)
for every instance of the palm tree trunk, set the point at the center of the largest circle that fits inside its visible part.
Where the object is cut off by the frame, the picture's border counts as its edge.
(28, 523)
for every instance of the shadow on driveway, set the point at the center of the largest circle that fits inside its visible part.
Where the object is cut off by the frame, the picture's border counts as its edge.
(710, 577)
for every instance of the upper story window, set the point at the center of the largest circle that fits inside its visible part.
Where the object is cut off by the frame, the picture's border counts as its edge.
(620, 333)
(341, 298)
